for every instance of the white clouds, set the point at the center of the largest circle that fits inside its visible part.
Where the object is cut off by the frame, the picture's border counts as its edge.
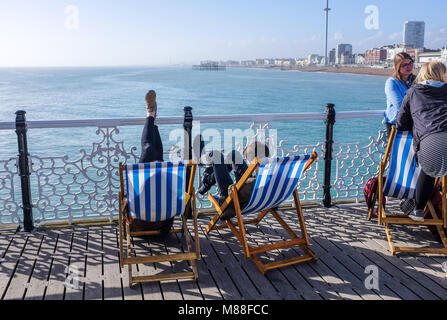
(338, 36)
(396, 36)
(377, 39)
(436, 39)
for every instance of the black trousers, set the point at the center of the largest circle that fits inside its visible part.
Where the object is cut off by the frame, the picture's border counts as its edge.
(151, 145)
(151, 150)
(424, 190)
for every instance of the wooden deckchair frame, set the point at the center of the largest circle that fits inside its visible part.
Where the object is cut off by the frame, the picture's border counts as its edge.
(126, 257)
(386, 220)
(238, 229)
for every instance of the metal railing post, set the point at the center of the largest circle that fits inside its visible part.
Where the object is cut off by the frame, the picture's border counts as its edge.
(24, 170)
(187, 154)
(329, 121)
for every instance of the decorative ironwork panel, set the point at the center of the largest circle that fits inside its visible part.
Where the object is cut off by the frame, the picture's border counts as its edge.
(85, 187)
(10, 198)
(355, 164)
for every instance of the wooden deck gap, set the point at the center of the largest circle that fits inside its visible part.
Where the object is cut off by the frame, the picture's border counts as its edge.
(396, 293)
(217, 286)
(9, 244)
(55, 245)
(252, 282)
(71, 242)
(234, 283)
(24, 246)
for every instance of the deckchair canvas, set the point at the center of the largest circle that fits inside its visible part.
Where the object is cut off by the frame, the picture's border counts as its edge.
(155, 192)
(401, 183)
(276, 180)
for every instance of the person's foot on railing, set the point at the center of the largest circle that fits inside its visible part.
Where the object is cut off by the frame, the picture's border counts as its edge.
(151, 103)
(417, 215)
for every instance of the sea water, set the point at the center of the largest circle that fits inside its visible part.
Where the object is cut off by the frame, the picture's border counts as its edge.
(91, 93)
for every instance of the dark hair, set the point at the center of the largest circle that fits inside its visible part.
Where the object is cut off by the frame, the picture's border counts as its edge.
(398, 60)
(256, 149)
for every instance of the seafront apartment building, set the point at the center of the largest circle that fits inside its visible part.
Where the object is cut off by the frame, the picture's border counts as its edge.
(414, 33)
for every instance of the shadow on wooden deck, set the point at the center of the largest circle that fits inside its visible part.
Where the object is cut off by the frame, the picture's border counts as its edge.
(82, 263)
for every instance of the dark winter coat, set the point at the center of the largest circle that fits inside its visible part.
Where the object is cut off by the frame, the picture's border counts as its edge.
(423, 110)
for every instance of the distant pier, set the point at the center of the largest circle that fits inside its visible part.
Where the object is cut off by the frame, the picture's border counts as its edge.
(209, 65)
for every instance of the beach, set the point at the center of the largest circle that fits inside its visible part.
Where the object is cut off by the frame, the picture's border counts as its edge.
(339, 69)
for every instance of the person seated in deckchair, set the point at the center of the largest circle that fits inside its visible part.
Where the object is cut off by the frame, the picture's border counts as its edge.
(218, 172)
(424, 110)
(151, 150)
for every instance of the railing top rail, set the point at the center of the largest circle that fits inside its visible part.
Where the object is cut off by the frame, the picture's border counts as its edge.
(203, 119)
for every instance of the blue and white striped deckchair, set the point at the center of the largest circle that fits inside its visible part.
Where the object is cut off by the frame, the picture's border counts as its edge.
(155, 192)
(401, 183)
(276, 180)
(403, 171)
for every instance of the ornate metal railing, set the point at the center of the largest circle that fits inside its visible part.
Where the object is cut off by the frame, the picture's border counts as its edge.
(67, 189)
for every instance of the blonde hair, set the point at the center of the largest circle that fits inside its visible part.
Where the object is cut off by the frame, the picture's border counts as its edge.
(151, 102)
(434, 70)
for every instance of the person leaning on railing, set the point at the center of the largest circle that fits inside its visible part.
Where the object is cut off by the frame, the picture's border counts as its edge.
(424, 110)
(151, 150)
(397, 86)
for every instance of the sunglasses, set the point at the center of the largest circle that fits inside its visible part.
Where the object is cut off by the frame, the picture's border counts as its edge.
(407, 64)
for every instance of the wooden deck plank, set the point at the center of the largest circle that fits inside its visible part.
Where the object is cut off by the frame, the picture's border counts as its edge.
(365, 259)
(287, 280)
(10, 261)
(343, 241)
(112, 271)
(237, 269)
(177, 244)
(223, 239)
(60, 262)
(151, 290)
(206, 283)
(392, 265)
(93, 282)
(22, 274)
(348, 270)
(39, 279)
(218, 272)
(349, 259)
(381, 245)
(271, 230)
(318, 280)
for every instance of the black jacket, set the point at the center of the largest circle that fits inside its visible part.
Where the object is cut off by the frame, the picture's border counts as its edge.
(423, 110)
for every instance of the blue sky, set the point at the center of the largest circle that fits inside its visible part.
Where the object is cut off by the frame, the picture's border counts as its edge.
(147, 32)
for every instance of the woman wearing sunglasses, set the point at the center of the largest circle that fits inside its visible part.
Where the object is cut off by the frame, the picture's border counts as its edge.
(396, 87)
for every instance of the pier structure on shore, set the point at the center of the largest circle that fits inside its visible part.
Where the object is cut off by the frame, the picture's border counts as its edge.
(210, 66)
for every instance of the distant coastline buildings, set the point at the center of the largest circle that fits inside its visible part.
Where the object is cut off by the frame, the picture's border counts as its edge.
(342, 54)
